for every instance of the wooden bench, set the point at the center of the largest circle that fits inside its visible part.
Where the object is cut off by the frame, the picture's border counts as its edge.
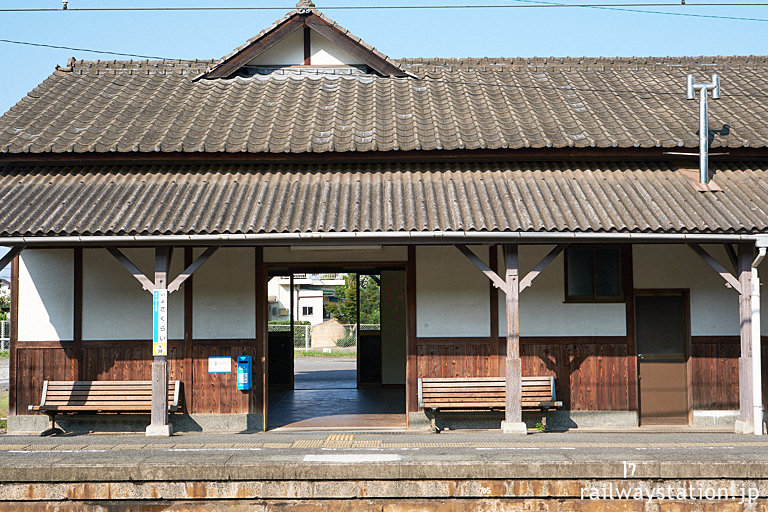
(484, 394)
(131, 396)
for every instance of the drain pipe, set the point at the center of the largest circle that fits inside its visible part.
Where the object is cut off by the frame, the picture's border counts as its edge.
(757, 391)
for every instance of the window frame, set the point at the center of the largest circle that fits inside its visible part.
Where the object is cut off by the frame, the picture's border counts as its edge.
(307, 311)
(596, 299)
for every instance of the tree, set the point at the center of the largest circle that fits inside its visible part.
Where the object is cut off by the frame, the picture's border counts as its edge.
(370, 301)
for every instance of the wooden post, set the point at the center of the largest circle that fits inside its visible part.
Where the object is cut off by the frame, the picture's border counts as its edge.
(513, 417)
(745, 255)
(188, 375)
(159, 425)
(77, 314)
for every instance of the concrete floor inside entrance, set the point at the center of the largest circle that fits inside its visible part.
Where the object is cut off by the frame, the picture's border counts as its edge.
(326, 397)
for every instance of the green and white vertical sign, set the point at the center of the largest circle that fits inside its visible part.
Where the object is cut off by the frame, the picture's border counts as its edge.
(160, 323)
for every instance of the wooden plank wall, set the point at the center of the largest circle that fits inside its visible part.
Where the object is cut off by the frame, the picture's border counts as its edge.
(590, 373)
(715, 367)
(132, 360)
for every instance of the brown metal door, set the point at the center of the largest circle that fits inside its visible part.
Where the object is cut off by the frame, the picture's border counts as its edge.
(661, 358)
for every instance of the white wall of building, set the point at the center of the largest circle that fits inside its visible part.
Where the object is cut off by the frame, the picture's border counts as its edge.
(46, 295)
(288, 52)
(332, 254)
(452, 298)
(543, 311)
(309, 299)
(115, 307)
(326, 53)
(225, 295)
(393, 327)
(714, 308)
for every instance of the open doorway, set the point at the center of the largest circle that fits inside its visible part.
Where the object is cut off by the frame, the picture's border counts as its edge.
(326, 353)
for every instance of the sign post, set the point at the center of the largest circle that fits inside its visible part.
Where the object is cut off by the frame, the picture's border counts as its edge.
(160, 323)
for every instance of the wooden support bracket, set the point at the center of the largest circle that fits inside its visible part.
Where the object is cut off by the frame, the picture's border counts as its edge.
(717, 267)
(5, 260)
(539, 268)
(187, 273)
(498, 282)
(133, 269)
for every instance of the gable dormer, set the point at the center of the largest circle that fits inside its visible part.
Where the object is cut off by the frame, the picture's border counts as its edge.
(304, 39)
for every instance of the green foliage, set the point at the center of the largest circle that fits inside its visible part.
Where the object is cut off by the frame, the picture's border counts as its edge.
(347, 341)
(5, 354)
(370, 301)
(540, 427)
(5, 303)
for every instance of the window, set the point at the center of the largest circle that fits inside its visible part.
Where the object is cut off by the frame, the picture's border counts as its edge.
(306, 311)
(593, 274)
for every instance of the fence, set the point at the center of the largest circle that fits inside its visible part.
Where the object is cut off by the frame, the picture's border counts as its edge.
(5, 335)
(302, 334)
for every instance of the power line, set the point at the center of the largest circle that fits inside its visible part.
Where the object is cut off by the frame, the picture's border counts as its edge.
(623, 8)
(532, 5)
(423, 79)
(56, 47)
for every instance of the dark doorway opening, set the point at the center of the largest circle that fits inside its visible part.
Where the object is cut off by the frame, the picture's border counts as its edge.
(325, 368)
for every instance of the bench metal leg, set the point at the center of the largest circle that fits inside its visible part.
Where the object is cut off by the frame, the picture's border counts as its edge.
(433, 422)
(52, 428)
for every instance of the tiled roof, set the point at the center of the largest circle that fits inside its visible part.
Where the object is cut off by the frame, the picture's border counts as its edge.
(455, 104)
(616, 197)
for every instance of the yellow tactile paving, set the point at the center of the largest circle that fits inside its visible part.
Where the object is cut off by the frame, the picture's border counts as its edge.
(349, 441)
(308, 443)
(13, 446)
(366, 444)
(277, 445)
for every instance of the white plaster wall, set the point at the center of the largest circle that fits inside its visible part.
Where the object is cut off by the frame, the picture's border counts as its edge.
(543, 311)
(326, 53)
(309, 298)
(452, 297)
(225, 295)
(714, 308)
(288, 52)
(46, 295)
(335, 255)
(115, 307)
(393, 327)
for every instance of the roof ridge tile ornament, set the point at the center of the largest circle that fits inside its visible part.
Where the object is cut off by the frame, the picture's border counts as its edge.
(304, 6)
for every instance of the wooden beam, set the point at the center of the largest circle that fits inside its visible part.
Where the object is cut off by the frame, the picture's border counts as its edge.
(131, 268)
(77, 315)
(731, 252)
(412, 357)
(717, 267)
(485, 269)
(746, 411)
(162, 266)
(307, 46)
(352, 47)
(256, 48)
(513, 410)
(10, 255)
(628, 282)
(191, 269)
(14, 344)
(260, 392)
(189, 295)
(493, 263)
(539, 268)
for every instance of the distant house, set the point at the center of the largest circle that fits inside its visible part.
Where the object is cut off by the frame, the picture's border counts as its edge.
(311, 293)
(527, 217)
(5, 287)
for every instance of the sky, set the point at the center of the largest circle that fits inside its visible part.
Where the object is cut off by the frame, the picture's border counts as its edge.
(483, 32)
